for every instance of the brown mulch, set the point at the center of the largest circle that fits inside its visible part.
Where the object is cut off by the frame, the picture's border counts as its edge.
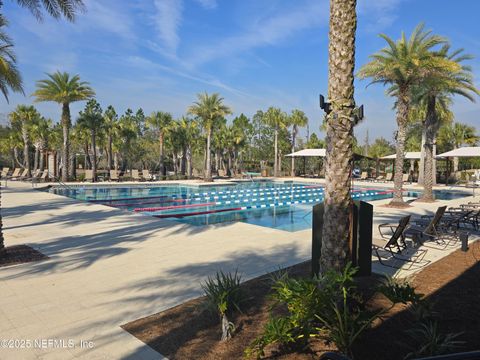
(189, 331)
(19, 254)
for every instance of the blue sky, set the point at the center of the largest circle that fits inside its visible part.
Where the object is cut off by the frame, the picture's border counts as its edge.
(157, 54)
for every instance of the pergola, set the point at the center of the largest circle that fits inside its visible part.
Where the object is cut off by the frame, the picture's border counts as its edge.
(409, 155)
(471, 151)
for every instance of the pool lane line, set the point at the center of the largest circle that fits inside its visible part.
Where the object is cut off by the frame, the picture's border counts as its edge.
(180, 215)
(160, 208)
(248, 190)
(137, 203)
(124, 199)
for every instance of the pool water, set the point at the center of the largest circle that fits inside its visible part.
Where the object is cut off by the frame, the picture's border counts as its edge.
(280, 205)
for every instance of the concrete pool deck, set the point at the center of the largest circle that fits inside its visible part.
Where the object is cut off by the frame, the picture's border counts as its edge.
(107, 267)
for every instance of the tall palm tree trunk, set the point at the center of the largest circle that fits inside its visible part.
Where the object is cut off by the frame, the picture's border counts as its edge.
(208, 165)
(341, 63)
(402, 118)
(430, 123)
(110, 152)
(189, 162)
(162, 157)
(66, 141)
(41, 159)
(2, 239)
(421, 167)
(36, 157)
(275, 163)
(26, 154)
(293, 150)
(94, 155)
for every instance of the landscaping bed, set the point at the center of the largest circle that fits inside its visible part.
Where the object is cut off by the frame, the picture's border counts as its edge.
(20, 254)
(450, 286)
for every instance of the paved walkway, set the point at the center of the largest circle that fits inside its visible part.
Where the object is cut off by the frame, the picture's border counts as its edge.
(108, 267)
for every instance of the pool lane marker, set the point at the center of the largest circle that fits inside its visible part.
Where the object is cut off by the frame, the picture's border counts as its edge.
(174, 207)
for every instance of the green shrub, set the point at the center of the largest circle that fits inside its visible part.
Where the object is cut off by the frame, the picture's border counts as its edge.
(399, 291)
(303, 299)
(224, 294)
(428, 341)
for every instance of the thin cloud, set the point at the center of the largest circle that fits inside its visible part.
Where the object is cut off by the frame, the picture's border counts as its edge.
(168, 18)
(207, 4)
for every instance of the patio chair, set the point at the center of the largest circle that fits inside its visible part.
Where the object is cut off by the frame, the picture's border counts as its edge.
(22, 176)
(221, 173)
(135, 175)
(406, 178)
(114, 175)
(389, 177)
(363, 176)
(146, 175)
(16, 173)
(396, 249)
(5, 171)
(44, 175)
(89, 175)
(430, 229)
(380, 178)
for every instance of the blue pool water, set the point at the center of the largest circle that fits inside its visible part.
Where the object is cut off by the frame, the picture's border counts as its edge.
(280, 205)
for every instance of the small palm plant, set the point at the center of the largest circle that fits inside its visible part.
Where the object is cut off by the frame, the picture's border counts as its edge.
(224, 295)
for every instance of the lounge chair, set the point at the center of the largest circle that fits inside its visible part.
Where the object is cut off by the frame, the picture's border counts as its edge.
(15, 174)
(146, 175)
(5, 171)
(429, 229)
(389, 177)
(135, 175)
(44, 175)
(22, 176)
(406, 178)
(221, 173)
(380, 178)
(114, 175)
(396, 249)
(89, 175)
(363, 176)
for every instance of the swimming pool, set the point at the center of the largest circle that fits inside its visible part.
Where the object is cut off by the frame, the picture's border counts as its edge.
(280, 205)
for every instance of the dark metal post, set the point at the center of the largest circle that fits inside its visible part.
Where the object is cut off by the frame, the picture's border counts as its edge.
(464, 240)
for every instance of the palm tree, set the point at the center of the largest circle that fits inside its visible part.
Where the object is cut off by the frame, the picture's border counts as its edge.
(110, 120)
(41, 131)
(26, 116)
(10, 78)
(63, 89)
(297, 119)
(209, 108)
(91, 119)
(160, 121)
(276, 119)
(191, 134)
(341, 63)
(56, 8)
(402, 65)
(448, 78)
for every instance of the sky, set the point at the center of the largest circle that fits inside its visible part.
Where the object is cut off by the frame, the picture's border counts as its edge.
(158, 54)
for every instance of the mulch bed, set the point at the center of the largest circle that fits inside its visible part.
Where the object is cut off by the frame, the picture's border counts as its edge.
(20, 254)
(451, 285)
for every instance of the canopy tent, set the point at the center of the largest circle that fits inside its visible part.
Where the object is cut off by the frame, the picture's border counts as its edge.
(319, 153)
(471, 151)
(308, 153)
(409, 155)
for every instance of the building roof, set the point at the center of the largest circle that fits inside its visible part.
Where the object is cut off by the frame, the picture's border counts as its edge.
(409, 155)
(471, 151)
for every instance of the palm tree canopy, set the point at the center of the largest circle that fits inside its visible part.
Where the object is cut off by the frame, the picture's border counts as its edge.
(62, 88)
(208, 108)
(10, 78)
(56, 8)
(404, 62)
(276, 118)
(159, 121)
(24, 115)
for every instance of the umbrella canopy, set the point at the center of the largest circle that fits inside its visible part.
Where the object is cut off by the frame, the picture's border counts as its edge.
(471, 151)
(308, 153)
(409, 155)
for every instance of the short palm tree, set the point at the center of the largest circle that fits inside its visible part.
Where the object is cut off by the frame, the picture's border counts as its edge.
(110, 120)
(91, 119)
(297, 119)
(10, 78)
(208, 108)
(341, 64)
(41, 132)
(449, 77)
(26, 117)
(63, 89)
(160, 122)
(191, 134)
(276, 119)
(401, 65)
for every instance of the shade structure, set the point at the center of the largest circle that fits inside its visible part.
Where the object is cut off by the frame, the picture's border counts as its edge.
(308, 153)
(409, 155)
(471, 151)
